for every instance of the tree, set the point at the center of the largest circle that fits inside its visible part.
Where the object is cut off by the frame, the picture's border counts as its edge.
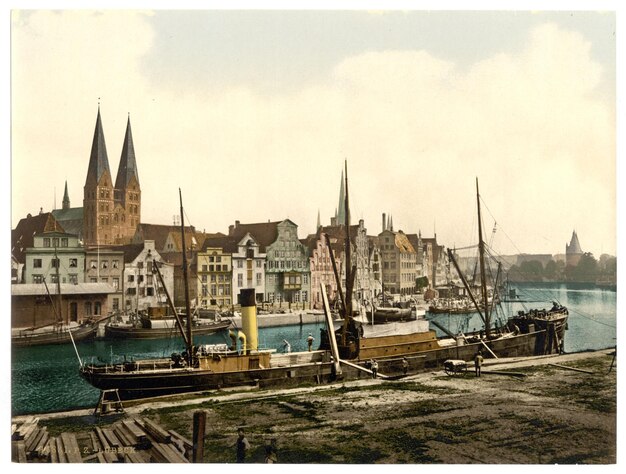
(586, 270)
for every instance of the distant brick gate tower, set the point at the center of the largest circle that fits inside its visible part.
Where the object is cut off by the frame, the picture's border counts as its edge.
(573, 252)
(111, 213)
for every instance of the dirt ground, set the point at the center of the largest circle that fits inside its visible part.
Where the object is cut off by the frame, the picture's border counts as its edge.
(546, 414)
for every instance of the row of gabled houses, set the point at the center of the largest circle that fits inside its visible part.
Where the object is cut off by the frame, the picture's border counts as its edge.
(284, 270)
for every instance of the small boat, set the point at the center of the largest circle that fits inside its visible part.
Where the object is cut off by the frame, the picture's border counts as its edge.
(384, 314)
(54, 334)
(145, 328)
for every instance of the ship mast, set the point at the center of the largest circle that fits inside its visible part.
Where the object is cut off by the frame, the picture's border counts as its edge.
(481, 252)
(189, 340)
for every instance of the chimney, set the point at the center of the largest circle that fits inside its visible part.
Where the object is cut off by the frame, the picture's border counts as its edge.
(384, 222)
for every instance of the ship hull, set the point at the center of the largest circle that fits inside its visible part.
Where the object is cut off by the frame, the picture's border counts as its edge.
(121, 332)
(424, 354)
(28, 338)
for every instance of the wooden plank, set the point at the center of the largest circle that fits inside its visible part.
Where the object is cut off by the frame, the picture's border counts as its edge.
(41, 448)
(174, 454)
(135, 430)
(121, 435)
(164, 453)
(102, 438)
(134, 457)
(95, 443)
(154, 430)
(31, 441)
(60, 449)
(111, 457)
(52, 445)
(188, 443)
(20, 452)
(72, 451)
(112, 439)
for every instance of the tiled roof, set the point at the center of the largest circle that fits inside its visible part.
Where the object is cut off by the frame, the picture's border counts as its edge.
(22, 235)
(71, 219)
(226, 243)
(157, 232)
(265, 233)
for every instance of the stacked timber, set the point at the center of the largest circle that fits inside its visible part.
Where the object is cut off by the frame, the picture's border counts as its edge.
(137, 440)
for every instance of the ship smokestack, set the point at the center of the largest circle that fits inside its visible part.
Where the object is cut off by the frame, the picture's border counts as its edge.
(248, 318)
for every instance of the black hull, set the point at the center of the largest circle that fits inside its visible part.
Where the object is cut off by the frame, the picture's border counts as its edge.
(149, 383)
(114, 332)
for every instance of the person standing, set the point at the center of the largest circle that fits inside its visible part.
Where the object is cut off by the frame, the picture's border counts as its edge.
(374, 368)
(478, 362)
(242, 446)
(309, 341)
(405, 365)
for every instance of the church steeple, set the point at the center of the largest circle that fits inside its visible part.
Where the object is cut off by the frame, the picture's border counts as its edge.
(128, 165)
(341, 213)
(66, 198)
(98, 160)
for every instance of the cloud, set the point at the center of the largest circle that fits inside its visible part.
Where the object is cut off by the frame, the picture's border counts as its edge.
(415, 129)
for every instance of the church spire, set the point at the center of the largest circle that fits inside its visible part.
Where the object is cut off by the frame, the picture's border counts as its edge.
(319, 222)
(66, 198)
(98, 160)
(341, 213)
(128, 165)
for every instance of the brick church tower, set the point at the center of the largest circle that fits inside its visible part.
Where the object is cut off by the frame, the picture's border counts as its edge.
(111, 213)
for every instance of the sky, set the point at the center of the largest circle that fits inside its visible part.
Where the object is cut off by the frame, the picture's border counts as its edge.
(252, 113)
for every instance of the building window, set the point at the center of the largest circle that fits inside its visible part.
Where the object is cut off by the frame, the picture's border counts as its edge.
(305, 279)
(93, 280)
(150, 291)
(64, 242)
(131, 278)
(37, 278)
(97, 308)
(88, 308)
(116, 283)
(73, 262)
(239, 280)
(93, 264)
(73, 278)
(204, 268)
(116, 304)
(55, 263)
(46, 241)
(36, 263)
(259, 279)
(115, 263)
(105, 264)
(204, 278)
(131, 291)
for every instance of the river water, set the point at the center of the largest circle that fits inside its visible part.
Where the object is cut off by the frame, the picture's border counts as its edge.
(45, 378)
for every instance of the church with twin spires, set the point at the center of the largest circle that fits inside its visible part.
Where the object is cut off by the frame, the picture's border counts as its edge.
(111, 210)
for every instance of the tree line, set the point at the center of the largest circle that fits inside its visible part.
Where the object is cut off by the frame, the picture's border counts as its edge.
(588, 270)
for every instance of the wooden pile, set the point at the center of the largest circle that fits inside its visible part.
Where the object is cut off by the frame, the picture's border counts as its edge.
(136, 440)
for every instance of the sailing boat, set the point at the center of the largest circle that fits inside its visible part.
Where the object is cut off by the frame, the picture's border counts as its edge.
(343, 354)
(56, 332)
